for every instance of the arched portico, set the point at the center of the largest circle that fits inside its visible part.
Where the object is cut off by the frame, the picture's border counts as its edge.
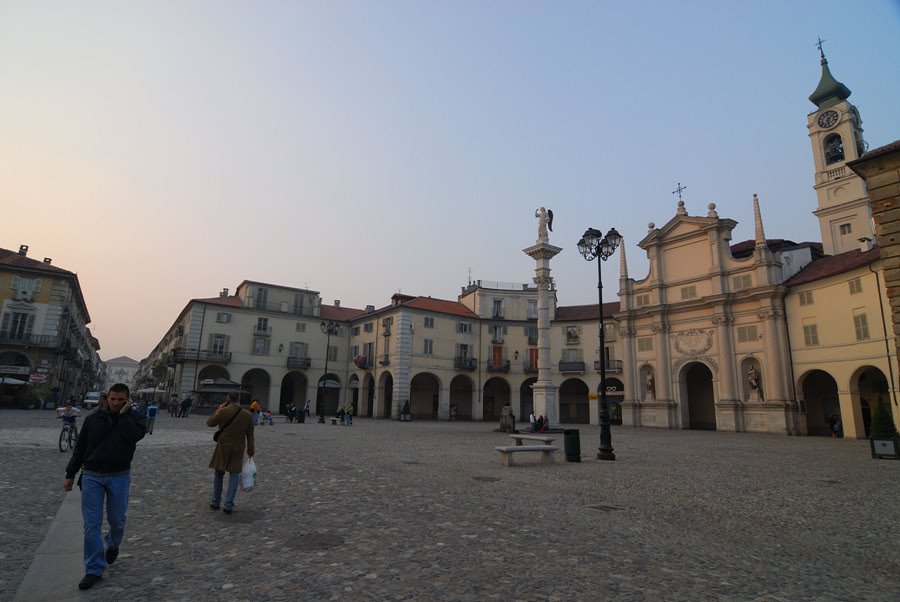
(818, 403)
(495, 395)
(255, 383)
(866, 384)
(293, 391)
(424, 394)
(461, 391)
(328, 394)
(213, 372)
(615, 394)
(385, 395)
(573, 402)
(367, 395)
(354, 394)
(697, 397)
(526, 397)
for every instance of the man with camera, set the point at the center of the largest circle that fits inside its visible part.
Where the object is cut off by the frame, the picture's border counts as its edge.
(235, 427)
(103, 452)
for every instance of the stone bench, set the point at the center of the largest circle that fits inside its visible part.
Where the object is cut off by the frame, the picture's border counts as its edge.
(507, 451)
(544, 439)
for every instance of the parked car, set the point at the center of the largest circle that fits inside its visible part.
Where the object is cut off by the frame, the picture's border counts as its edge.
(91, 400)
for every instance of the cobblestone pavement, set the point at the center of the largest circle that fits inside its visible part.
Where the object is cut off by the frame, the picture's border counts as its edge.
(422, 511)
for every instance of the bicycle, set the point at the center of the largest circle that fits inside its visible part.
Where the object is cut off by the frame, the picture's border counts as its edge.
(67, 437)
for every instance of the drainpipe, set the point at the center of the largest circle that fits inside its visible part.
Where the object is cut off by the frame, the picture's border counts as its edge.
(887, 347)
(197, 364)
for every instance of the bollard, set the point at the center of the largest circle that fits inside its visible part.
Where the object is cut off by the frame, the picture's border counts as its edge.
(572, 445)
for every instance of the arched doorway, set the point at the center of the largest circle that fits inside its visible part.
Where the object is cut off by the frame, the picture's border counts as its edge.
(424, 391)
(293, 391)
(866, 386)
(615, 393)
(699, 397)
(328, 394)
(573, 402)
(255, 384)
(495, 395)
(368, 394)
(526, 397)
(461, 388)
(213, 372)
(820, 401)
(354, 394)
(17, 368)
(386, 395)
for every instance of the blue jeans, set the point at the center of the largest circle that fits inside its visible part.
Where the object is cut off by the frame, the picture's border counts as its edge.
(233, 479)
(94, 490)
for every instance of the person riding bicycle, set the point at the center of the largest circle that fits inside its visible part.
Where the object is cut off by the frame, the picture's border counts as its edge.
(69, 415)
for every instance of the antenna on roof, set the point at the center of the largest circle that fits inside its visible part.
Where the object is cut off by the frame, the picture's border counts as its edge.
(470, 275)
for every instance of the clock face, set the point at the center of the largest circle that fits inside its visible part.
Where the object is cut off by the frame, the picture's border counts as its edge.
(828, 119)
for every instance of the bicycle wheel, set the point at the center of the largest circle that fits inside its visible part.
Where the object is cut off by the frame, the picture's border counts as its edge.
(64, 439)
(71, 438)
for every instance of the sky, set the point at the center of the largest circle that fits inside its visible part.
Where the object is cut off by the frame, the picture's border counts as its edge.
(166, 150)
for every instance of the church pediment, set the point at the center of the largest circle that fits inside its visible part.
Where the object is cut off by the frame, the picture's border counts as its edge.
(681, 228)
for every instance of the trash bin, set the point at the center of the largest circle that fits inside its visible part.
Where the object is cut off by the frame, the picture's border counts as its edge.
(573, 445)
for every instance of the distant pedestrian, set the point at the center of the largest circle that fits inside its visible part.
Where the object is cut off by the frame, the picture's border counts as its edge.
(254, 411)
(173, 406)
(306, 408)
(103, 399)
(267, 417)
(103, 452)
(152, 412)
(236, 428)
(533, 422)
(348, 417)
(185, 407)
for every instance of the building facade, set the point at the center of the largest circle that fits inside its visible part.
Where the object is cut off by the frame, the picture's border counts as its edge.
(45, 342)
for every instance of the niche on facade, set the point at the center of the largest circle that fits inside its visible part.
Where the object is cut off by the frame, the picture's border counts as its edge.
(648, 383)
(751, 379)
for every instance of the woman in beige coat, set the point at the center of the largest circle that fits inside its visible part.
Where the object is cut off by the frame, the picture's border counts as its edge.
(236, 427)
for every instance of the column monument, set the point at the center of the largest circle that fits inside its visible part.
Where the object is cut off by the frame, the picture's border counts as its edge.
(546, 402)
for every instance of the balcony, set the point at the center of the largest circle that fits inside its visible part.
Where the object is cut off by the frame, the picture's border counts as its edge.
(531, 368)
(385, 360)
(532, 340)
(611, 366)
(30, 340)
(298, 362)
(497, 339)
(260, 331)
(465, 363)
(501, 366)
(497, 313)
(201, 355)
(565, 367)
(363, 362)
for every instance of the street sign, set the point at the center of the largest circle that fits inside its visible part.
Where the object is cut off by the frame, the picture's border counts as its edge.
(37, 378)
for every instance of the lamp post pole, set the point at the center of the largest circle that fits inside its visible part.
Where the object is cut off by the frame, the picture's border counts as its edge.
(592, 246)
(330, 327)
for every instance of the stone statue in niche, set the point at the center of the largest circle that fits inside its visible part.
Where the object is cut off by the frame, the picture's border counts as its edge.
(649, 386)
(755, 394)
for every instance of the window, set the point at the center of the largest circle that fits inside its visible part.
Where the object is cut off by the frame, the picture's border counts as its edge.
(855, 286)
(301, 326)
(260, 346)
(572, 333)
(834, 148)
(645, 343)
(368, 327)
(354, 331)
(861, 323)
(25, 284)
(571, 355)
(218, 343)
(497, 331)
(747, 334)
(845, 229)
(262, 297)
(387, 347)
(532, 309)
(428, 347)
(354, 351)
(332, 353)
(262, 324)
(462, 350)
(223, 317)
(806, 298)
(298, 303)
(810, 335)
(386, 324)
(463, 327)
(429, 322)
(643, 300)
(497, 308)
(299, 349)
(688, 292)
(741, 282)
(531, 332)
(16, 326)
(368, 349)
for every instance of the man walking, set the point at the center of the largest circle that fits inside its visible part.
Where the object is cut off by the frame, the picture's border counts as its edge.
(235, 428)
(152, 412)
(104, 451)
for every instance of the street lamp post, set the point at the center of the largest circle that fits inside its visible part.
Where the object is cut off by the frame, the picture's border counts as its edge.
(330, 327)
(591, 246)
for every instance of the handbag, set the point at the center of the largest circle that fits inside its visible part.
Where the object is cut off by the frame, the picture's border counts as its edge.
(218, 433)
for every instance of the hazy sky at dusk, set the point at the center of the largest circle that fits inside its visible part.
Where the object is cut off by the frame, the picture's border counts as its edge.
(165, 150)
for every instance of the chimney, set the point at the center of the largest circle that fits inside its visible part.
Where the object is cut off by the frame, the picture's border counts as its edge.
(224, 292)
(865, 244)
(337, 303)
(47, 260)
(23, 250)
(370, 309)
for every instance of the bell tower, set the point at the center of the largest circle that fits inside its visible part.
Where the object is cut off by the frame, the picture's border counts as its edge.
(835, 132)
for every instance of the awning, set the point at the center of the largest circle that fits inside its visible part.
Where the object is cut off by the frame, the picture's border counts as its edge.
(8, 380)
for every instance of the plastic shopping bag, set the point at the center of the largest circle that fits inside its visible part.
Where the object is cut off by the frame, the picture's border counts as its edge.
(248, 475)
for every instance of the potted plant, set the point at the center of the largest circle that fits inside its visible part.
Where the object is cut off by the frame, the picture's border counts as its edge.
(883, 435)
(404, 412)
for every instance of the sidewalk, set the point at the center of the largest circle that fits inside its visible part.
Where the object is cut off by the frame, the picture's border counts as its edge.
(58, 565)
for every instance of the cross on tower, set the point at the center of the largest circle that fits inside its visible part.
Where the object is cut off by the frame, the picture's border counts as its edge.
(679, 190)
(819, 45)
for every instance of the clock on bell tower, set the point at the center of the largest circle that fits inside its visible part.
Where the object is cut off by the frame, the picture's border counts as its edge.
(835, 132)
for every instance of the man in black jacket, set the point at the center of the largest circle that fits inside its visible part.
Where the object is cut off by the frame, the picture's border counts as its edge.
(104, 451)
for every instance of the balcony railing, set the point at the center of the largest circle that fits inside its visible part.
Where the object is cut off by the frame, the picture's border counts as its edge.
(611, 366)
(532, 340)
(531, 368)
(31, 340)
(202, 355)
(497, 313)
(571, 367)
(464, 363)
(495, 366)
(497, 339)
(298, 362)
(363, 362)
(260, 331)
(385, 360)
